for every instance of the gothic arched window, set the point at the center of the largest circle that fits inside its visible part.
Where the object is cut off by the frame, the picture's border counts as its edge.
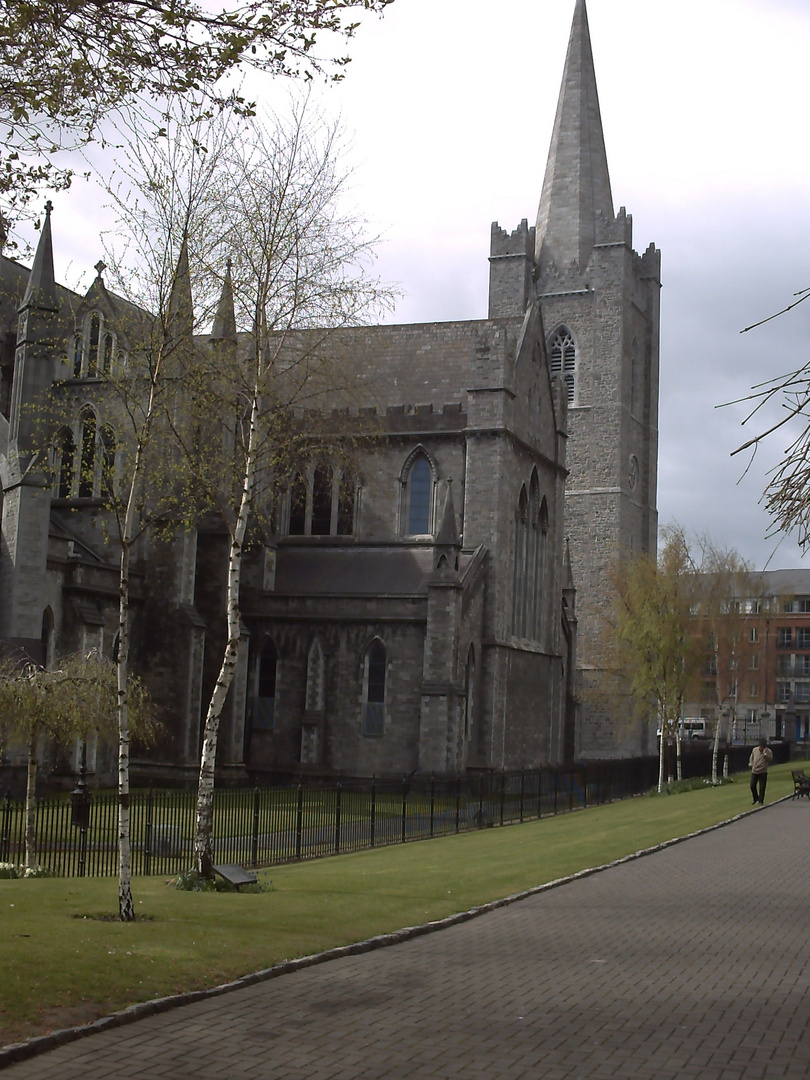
(419, 497)
(65, 463)
(298, 506)
(78, 355)
(109, 348)
(562, 359)
(321, 501)
(263, 717)
(92, 345)
(374, 671)
(347, 489)
(107, 460)
(316, 678)
(87, 462)
(520, 591)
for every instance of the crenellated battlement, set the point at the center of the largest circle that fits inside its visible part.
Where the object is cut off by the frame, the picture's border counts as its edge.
(511, 266)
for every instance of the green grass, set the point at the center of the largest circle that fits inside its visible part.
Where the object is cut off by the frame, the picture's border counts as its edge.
(63, 965)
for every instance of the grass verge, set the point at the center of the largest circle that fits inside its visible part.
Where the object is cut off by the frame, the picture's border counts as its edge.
(65, 961)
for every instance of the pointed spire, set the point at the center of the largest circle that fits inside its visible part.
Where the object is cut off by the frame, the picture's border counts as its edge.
(224, 328)
(180, 313)
(41, 290)
(448, 531)
(576, 188)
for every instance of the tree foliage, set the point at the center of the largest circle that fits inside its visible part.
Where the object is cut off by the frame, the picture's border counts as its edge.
(76, 699)
(66, 66)
(654, 646)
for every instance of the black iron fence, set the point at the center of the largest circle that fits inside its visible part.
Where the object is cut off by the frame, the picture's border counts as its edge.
(266, 826)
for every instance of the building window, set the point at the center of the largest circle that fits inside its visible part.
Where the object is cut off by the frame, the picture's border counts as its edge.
(316, 678)
(87, 465)
(562, 356)
(109, 348)
(784, 665)
(469, 694)
(753, 661)
(78, 355)
(65, 458)
(803, 637)
(802, 693)
(753, 634)
(347, 489)
(753, 691)
(107, 460)
(321, 501)
(420, 497)
(298, 507)
(92, 345)
(373, 719)
(784, 637)
(264, 704)
(783, 692)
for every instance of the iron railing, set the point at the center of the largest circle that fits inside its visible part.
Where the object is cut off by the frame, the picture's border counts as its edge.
(267, 826)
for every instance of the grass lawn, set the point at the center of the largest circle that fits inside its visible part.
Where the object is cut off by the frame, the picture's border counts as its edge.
(65, 962)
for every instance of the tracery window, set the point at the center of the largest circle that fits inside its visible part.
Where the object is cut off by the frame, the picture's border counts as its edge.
(374, 671)
(562, 357)
(530, 562)
(322, 502)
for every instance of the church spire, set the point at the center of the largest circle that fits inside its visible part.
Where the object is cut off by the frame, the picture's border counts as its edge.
(41, 289)
(180, 312)
(576, 188)
(224, 328)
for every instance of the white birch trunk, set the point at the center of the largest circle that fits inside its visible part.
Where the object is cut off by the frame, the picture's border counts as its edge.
(203, 846)
(679, 762)
(31, 802)
(126, 907)
(661, 759)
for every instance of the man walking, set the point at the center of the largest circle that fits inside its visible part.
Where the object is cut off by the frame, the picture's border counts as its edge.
(761, 758)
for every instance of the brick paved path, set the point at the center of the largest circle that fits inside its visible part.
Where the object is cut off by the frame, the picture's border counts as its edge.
(688, 963)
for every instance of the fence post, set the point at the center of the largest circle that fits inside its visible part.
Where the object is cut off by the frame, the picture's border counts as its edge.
(337, 818)
(5, 841)
(299, 820)
(373, 807)
(481, 802)
(147, 838)
(556, 786)
(404, 805)
(539, 794)
(522, 777)
(255, 847)
(503, 791)
(432, 794)
(458, 801)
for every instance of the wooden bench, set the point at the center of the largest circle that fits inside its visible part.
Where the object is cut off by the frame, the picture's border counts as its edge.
(801, 783)
(235, 874)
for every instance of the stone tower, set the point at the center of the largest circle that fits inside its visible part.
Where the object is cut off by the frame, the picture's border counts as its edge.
(24, 471)
(600, 303)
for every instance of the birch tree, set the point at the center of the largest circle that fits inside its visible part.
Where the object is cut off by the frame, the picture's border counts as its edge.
(139, 389)
(727, 584)
(655, 646)
(299, 273)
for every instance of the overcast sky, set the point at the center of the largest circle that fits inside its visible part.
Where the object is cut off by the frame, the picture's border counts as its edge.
(704, 104)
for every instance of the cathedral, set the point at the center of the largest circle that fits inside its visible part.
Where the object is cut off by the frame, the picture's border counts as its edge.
(434, 608)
